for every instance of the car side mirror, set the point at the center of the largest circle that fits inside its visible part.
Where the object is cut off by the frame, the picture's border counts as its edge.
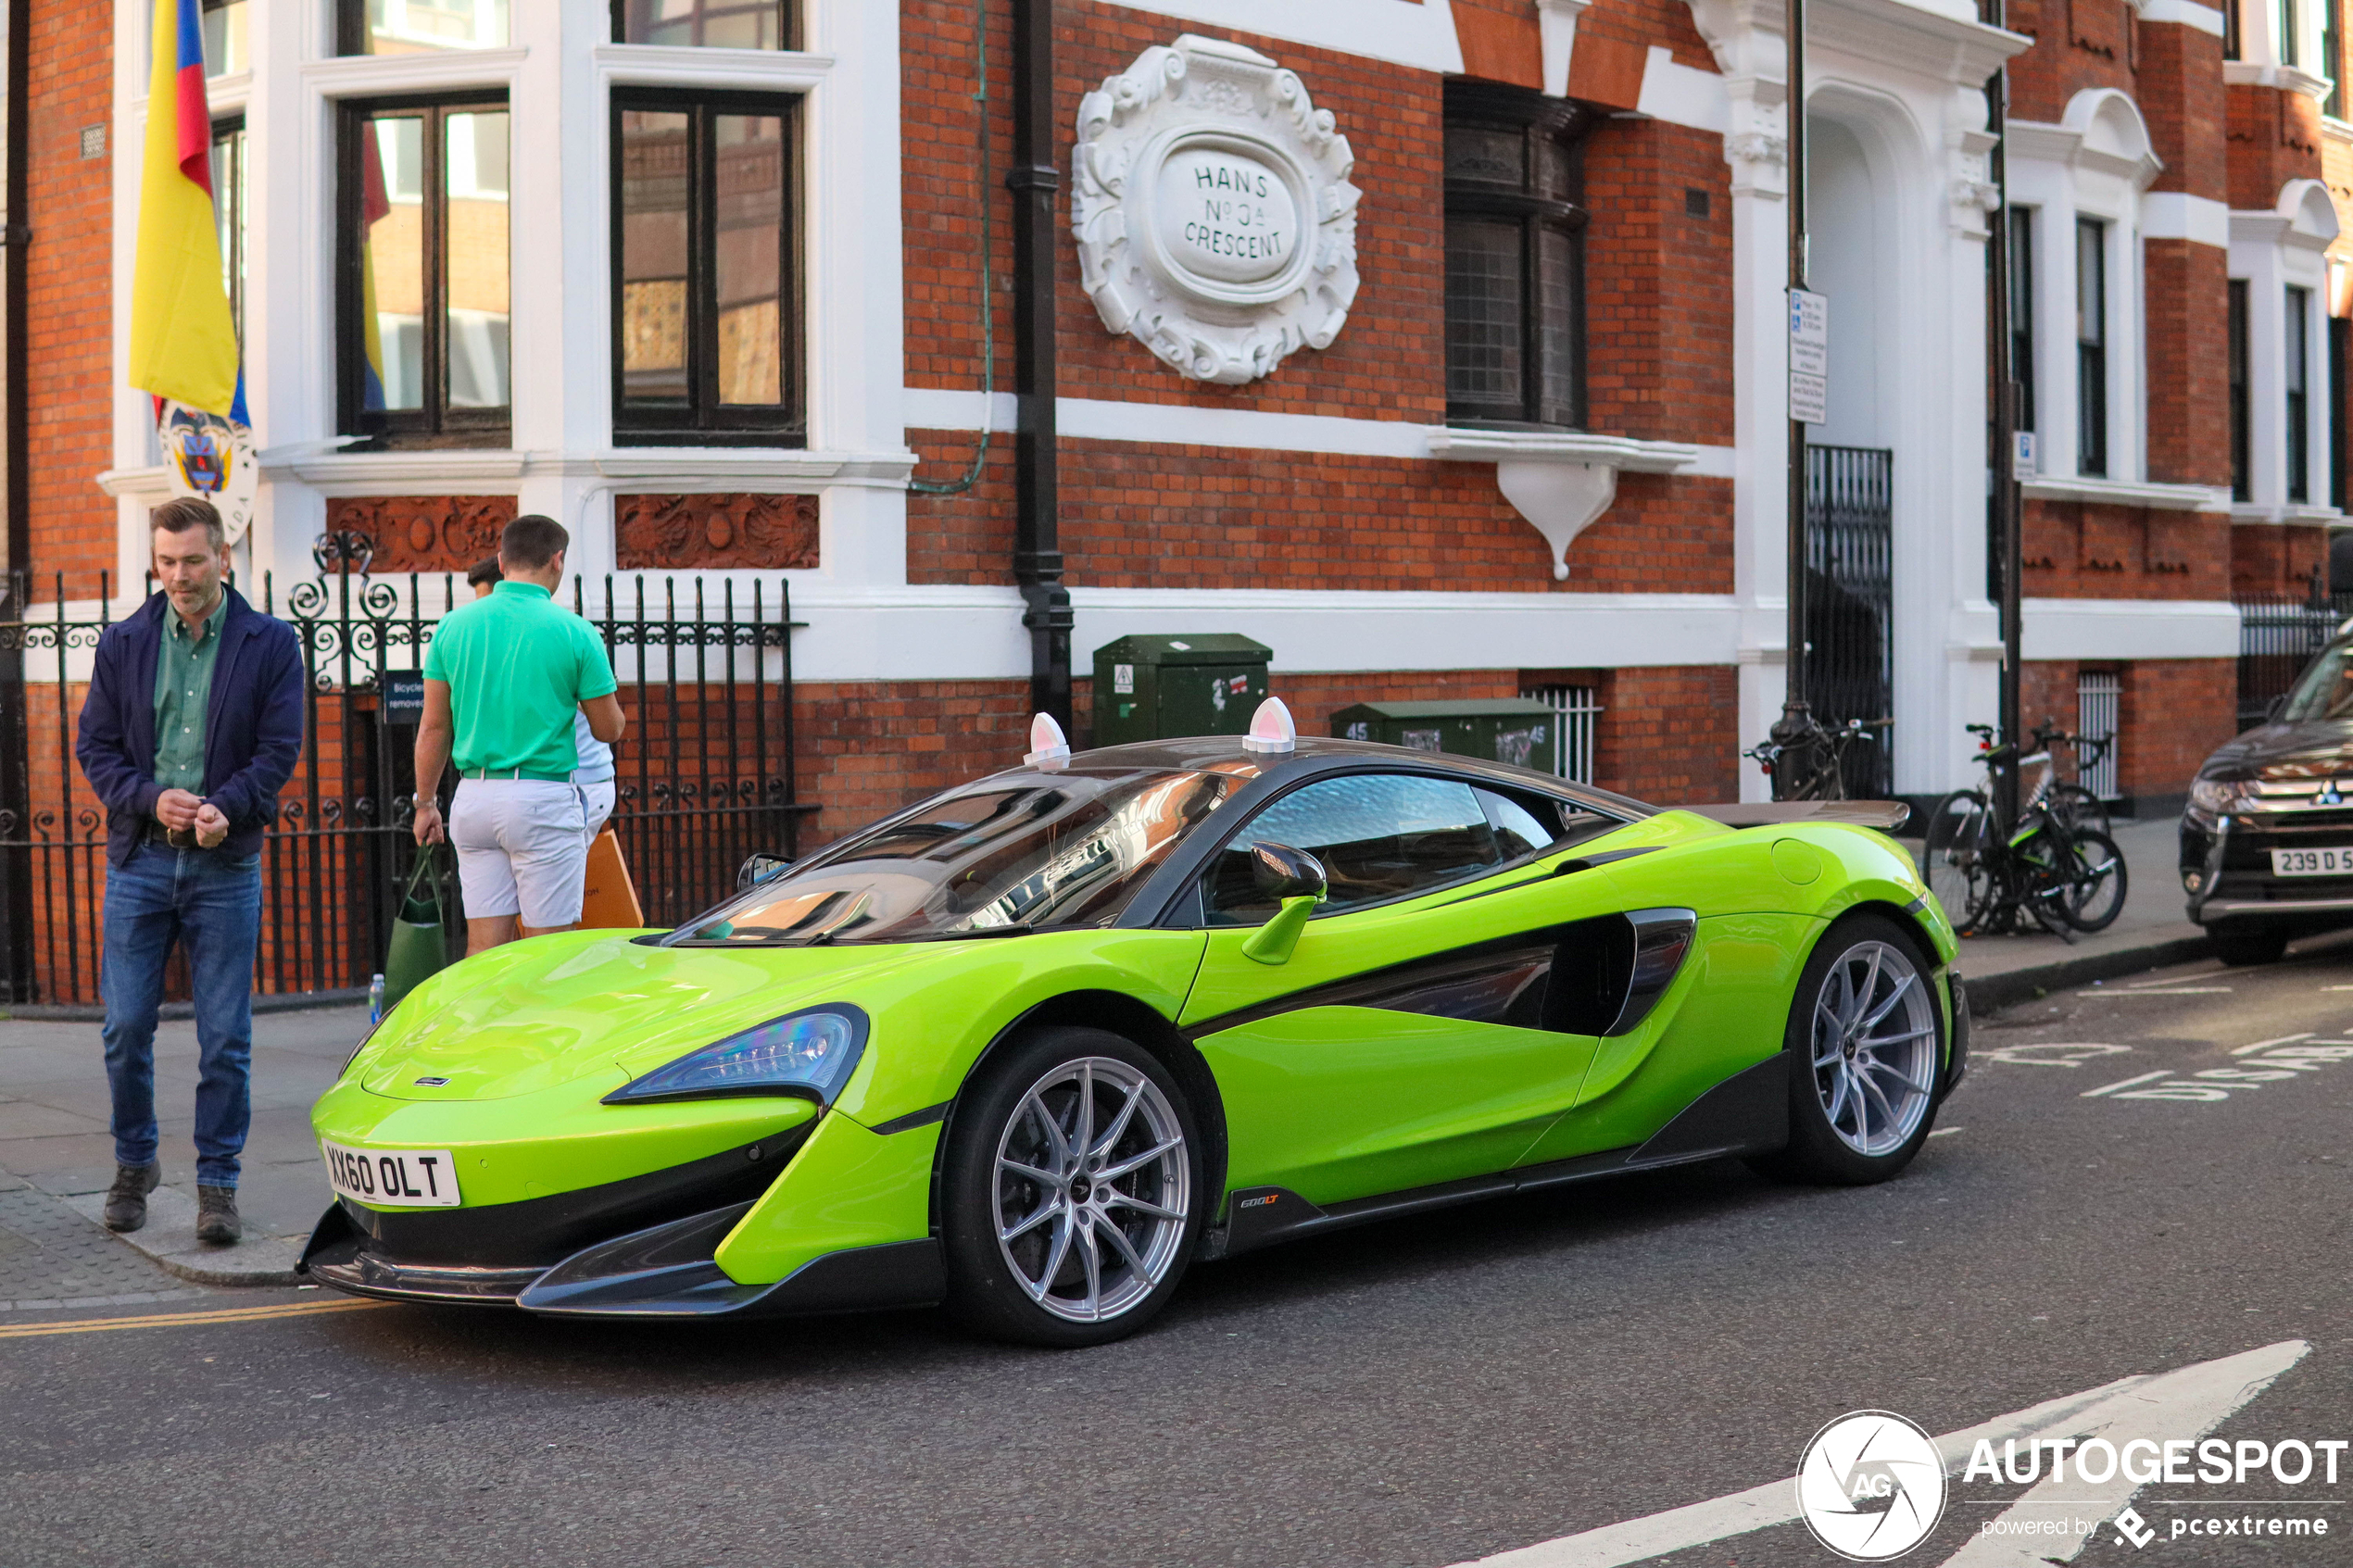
(757, 868)
(1293, 879)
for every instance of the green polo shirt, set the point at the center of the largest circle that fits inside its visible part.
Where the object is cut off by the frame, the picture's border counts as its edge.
(183, 685)
(518, 665)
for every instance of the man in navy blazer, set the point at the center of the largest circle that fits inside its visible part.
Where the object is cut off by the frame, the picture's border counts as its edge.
(192, 725)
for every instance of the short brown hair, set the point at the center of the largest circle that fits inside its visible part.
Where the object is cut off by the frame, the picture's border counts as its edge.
(485, 570)
(183, 512)
(533, 541)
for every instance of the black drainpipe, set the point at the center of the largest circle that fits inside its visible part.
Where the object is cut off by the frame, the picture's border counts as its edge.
(1038, 558)
(16, 570)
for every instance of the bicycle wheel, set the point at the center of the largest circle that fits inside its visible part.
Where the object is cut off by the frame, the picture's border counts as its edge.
(2079, 809)
(2096, 893)
(1953, 856)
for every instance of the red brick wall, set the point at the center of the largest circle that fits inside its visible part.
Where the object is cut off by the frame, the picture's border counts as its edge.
(2077, 550)
(2175, 711)
(2277, 560)
(2078, 44)
(869, 749)
(1658, 283)
(2275, 137)
(69, 309)
(2186, 296)
(2181, 98)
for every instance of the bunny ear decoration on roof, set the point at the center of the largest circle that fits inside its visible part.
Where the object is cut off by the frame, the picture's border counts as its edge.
(1049, 747)
(1271, 728)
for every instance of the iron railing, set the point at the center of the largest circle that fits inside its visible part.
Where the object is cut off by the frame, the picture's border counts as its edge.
(1850, 594)
(706, 772)
(2278, 636)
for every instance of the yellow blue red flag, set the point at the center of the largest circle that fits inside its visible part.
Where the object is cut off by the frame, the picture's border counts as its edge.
(183, 342)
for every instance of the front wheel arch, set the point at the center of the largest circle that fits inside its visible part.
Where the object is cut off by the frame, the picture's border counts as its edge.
(1139, 1024)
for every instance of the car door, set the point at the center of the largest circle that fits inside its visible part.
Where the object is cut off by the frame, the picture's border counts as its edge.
(1426, 1028)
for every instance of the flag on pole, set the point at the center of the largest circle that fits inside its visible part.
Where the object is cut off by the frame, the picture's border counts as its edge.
(183, 342)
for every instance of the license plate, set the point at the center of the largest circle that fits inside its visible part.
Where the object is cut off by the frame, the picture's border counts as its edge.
(2313, 863)
(393, 1178)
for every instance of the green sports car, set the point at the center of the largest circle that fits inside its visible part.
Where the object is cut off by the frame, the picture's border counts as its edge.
(1037, 1044)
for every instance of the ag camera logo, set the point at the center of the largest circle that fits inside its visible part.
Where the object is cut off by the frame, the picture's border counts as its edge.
(1871, 1485)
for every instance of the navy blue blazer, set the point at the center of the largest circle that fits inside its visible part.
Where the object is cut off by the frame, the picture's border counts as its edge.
(252, 726)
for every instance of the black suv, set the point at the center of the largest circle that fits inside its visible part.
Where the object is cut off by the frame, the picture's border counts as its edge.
(2267, 840)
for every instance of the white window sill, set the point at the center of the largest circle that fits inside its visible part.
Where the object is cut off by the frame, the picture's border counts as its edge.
(1560, 481)
(446, 470)
(2127, 493)
(2290, 513)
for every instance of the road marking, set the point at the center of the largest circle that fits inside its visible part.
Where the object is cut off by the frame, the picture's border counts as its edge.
(2124, 1083)
(2052, 1053)
(2282, 1040)
(183, 1320)
(2186, 1403)
(1944, 1131)
(2151, 991)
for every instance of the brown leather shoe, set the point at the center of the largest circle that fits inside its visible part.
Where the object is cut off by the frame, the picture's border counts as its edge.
(217, 1220)
(127, 1199)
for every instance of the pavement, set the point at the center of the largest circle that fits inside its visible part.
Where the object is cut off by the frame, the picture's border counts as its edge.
(2135, 1179)
(56, 1160)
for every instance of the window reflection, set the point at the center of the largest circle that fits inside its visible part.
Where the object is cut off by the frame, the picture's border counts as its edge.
(392, 262)
(475, 173)
(710, 24)
(413, 27)
(654, 168)
(225, 49)
(751, 257)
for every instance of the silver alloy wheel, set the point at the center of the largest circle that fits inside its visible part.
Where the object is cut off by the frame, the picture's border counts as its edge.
(1091, 1189)
(1874, 1047)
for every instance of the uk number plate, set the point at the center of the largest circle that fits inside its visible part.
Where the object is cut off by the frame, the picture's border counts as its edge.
(2313, 863)
(393, 1178)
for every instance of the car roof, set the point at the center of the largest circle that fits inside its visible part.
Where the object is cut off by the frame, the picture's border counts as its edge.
(1320, 754)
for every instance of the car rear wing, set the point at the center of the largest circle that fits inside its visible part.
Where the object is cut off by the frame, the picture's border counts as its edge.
(1888, 816)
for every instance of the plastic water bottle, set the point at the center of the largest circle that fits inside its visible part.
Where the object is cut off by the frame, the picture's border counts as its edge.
(375, 1000)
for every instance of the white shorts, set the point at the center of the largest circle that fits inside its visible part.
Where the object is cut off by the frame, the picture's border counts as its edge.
(599, 799)
(520, 849)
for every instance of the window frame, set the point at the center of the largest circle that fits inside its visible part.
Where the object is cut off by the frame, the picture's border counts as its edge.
(2296, 389)
(2092, 432)
(1543, 124)
(352, 33)
(787, 28)
(437, 424)
(706, 421)
(2020, 229)
(229, 207)
(2239, 369)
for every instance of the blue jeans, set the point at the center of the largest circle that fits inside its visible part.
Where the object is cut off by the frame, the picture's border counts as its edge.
(211, 903)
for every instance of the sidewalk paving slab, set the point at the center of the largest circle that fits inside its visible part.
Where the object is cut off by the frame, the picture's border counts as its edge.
(168, 1239)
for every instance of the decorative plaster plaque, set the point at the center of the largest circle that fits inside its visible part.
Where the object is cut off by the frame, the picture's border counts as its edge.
(1214, 218)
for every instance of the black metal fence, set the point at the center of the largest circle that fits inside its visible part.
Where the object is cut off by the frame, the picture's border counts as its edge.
(706, 772)
(1850, 596)
(2278, 636)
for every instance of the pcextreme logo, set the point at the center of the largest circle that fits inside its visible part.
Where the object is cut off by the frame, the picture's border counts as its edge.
(1871, 1485)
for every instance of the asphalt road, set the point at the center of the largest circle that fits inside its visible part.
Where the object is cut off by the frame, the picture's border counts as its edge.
(1421, 1393)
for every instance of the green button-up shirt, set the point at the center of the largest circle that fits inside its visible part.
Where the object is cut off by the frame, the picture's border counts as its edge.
(183, 685)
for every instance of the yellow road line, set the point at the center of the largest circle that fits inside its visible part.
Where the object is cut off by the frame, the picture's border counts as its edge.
(181, 1320)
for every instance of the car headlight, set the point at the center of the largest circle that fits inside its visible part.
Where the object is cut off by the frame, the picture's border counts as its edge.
(807, 1054)
(2219, 795)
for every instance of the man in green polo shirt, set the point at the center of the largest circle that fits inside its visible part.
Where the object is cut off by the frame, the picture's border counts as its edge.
(503, 677)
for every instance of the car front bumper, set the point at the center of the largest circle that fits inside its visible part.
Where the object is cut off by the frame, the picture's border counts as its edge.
(2230, 857)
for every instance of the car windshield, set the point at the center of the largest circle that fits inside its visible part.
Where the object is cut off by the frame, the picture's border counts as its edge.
(1023, 851)
(2325, 692)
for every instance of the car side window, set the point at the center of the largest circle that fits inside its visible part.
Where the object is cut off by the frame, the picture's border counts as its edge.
(1525, 823)
(1379, 836)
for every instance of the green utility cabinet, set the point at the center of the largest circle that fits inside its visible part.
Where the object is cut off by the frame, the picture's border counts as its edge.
(1521, 731)
(1162, 687)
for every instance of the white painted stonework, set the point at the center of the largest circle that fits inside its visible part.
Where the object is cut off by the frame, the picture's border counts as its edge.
(1214, 216)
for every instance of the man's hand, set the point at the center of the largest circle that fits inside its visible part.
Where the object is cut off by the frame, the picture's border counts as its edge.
(212, 826)
(176, 809)
(428, 823)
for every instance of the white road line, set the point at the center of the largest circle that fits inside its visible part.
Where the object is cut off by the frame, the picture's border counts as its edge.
(1944, 1131)
(2124, 1083)
(2189, 1402)
(2282, 1040)
(2151, 991)
(2184, 1404)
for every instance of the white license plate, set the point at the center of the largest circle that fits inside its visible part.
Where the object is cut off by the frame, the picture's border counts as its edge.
(393, 1178)
(2313, 863)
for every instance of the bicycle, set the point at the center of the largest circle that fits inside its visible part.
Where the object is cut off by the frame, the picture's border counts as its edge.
(2067, 878)
(1826, 779)
(2072, 803)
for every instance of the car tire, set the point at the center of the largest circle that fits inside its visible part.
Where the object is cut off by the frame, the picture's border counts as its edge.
(1862, 1094)
(2241, 944)
(1088, 1259)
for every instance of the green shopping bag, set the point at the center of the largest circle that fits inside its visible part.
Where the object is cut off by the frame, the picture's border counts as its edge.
(416, 953)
